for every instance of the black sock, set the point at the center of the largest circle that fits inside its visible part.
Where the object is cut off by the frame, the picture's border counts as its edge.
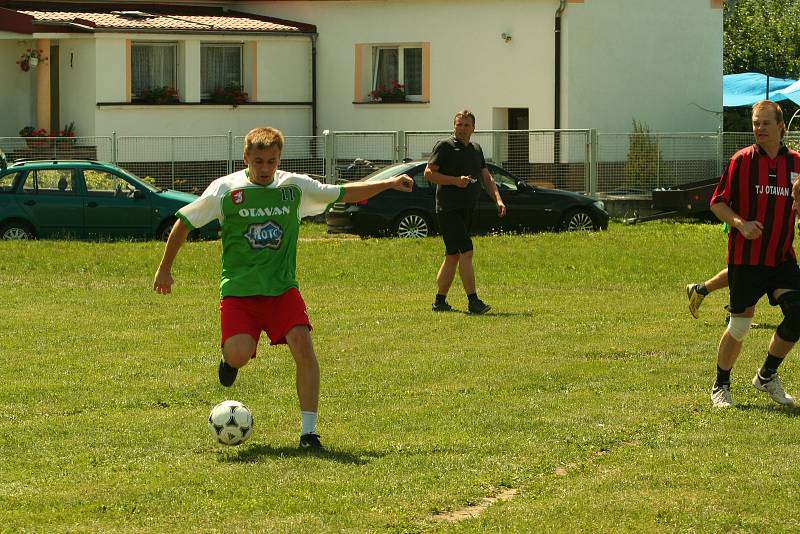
(723, 377)
(472, 297)
(770, 366)
(440, 298)
(701, 289)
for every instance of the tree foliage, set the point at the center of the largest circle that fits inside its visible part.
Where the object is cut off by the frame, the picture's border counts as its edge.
(760, 36)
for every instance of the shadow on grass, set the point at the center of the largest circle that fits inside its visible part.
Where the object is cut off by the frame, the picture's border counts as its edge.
(491, 313)
(792, 411)
(255, 452)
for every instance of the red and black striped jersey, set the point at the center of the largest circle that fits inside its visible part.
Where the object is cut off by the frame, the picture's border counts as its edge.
(758, 188)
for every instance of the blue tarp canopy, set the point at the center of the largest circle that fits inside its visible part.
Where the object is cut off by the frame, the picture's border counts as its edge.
(748, 88)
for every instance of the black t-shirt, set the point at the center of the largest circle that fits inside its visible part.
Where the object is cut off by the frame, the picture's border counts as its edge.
(456, 159)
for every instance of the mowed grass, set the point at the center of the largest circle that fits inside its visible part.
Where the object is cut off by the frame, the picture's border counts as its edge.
(585, 390)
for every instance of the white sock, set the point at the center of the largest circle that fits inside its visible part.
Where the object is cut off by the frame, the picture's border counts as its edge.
(308, 422)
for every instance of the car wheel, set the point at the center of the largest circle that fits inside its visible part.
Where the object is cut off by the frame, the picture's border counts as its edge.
(577, 220)
(16, 230)
(412, 224)
(164, 230)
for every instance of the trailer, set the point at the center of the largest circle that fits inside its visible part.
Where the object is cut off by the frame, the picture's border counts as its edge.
(690, 199)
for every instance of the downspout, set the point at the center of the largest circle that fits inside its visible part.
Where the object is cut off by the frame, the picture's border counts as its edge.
(557, 87)
(313, 84)
(557, 63)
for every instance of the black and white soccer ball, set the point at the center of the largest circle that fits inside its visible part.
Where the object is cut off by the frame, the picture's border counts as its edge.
(230, 422)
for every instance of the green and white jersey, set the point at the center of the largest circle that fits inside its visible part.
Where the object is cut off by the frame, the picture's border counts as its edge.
(260, 227)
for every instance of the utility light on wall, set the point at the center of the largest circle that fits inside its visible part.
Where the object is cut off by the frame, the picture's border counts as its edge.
(506, 37)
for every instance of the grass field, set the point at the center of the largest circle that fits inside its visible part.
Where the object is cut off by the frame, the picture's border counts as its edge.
(583, 396)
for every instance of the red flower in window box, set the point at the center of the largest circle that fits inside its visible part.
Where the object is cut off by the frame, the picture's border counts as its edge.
(230, 94)
(159, 95)
(394, 93)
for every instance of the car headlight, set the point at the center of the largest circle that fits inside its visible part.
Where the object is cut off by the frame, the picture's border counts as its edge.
(599, 205)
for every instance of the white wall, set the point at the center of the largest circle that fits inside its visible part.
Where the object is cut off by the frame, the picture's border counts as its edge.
(648, 59)
(80, 83)
(654, 61)
(188, 120)
(18, 89)
(284, 69)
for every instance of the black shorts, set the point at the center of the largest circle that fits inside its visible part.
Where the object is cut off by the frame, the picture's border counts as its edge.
(454, 226)
(748, 283)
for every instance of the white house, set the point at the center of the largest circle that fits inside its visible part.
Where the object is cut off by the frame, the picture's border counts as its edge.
(654, 61)
(104, 63)
(611, 62)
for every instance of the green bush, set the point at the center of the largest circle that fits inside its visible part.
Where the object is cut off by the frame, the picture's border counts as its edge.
(644, 157)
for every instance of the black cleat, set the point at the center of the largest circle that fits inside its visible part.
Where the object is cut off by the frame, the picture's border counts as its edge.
(442, 306)
(310, 442)
(227, 374)
(478, 307)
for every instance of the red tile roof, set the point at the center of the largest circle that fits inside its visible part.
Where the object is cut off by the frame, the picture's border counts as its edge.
(126, 21)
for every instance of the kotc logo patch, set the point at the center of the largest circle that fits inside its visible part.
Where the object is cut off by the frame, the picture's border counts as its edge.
(237, 197)
(265, 235)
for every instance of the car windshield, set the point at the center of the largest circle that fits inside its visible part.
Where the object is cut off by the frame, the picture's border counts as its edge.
(139, 181)
(388, 172)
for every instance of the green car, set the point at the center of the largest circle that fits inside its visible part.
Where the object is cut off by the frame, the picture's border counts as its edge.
(85, 199)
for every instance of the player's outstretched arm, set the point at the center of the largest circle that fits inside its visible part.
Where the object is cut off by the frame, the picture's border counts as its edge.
(162, 283)
(356, 191)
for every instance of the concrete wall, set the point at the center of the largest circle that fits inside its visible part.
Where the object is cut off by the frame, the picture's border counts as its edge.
(656, 61)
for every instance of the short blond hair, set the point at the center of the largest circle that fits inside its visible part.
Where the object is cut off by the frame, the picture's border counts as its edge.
(263, 138)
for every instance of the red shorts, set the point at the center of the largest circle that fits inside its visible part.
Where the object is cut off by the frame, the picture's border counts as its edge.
(274, 315)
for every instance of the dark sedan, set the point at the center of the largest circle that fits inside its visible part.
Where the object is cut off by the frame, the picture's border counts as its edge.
(529, 208)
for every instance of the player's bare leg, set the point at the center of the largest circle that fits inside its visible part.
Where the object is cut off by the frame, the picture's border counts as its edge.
(730, 345)
(444, 280)
(307, 368)
(236, 352)
(467, 273)
(697, 292)
(307, 382)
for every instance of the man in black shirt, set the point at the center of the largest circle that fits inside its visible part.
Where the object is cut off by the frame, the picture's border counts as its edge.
(455, 166)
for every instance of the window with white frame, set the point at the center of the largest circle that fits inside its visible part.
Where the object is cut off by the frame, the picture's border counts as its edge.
(153, 66)
(398, 64)
(220, 67)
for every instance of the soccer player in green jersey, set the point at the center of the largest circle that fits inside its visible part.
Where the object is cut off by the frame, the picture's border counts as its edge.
(260, 209)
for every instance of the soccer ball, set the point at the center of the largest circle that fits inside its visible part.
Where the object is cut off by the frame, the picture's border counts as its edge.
(230, 422)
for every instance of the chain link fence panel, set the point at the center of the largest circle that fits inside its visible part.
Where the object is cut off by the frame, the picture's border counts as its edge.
(357, 154)
(301, 154)
(637, 163)
(546, 158)
(93, 148)
(625, 163)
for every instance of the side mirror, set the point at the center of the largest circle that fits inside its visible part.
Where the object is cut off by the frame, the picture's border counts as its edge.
(3, 161)
(523, 186)
(138, 194)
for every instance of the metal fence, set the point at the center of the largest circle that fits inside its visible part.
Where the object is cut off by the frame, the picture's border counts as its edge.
(576, 160)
